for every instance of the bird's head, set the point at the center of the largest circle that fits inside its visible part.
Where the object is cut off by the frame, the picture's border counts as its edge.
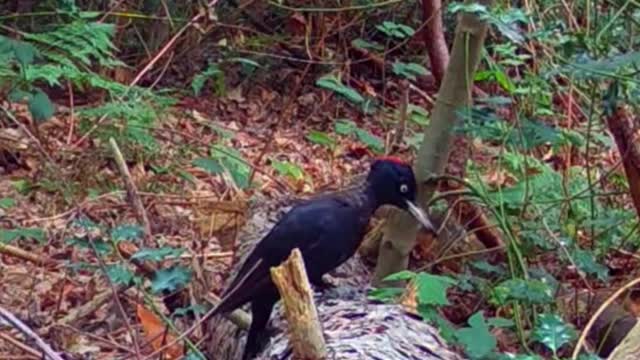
(394, 183)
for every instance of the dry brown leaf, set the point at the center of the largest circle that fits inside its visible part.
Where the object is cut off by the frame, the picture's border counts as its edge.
(157, 334)
(409, 299)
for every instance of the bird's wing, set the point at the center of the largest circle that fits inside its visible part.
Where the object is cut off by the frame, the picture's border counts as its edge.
(302, 227)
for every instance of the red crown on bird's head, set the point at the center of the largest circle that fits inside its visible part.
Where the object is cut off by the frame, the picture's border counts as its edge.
(393, 159)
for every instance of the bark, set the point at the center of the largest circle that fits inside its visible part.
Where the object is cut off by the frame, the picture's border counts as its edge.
(434, 40)
(305, 332)
(454, 95)
(626, 130)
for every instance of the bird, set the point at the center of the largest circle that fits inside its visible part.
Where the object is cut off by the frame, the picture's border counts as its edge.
(328, 230)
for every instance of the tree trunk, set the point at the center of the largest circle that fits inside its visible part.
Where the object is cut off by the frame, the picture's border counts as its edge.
(454, 95)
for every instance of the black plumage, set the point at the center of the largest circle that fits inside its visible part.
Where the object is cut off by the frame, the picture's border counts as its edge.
(328, 230)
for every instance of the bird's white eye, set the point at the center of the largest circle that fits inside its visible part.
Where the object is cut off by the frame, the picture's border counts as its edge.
(404, 188)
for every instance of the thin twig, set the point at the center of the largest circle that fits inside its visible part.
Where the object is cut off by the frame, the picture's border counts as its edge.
(16, 323)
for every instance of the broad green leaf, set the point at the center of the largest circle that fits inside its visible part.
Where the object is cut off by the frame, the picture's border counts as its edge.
(385, 294)
(330, 82)
(119, 274)
(345, 127)
(232, 160)
(528, 291)
(372, 141)
(212, 166)
(402, 275)
(10, 235)
(40, 106)
(552, 331)
(363, 44)
(17, 95)
(500, 322)
(409, 70)
(286, 168)
(25, 53)
(432, 289)
(101, 247)
(476, 339)
(159, 254)
(126, 232)
(586, 261)
(7, 203)
(395, 30)
(170, 279)
(321, 138)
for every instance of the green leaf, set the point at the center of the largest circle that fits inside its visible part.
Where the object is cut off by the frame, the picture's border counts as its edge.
(212, 72)
(212, 166)
(432, 289)
(126, 232)
(586, 261)
(232, 160)
(392, 29)
(409, 70)
(373, 142)
(385, 294)
(170, 279)
(10, 235)
(476, 339)
(345, 127)
(119, 274)
(330, 82)
(500, 322)
(25, 53)
(527, 291)
(17, 95)
(40, 106)
(363, 44)
(102, 248)
(399, 276)
(158, 254)
(552, 331)
(286, 168)
(7, 203)
(321, 138)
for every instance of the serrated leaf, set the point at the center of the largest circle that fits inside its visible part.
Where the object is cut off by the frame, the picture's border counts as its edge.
(40, 106)
(432, 289)
(586, 261)
(101, 247)
(126, 232)
(170, 279)
(320, 138)
(552, 331)
(159, 254)
(476, 339)
(119, 274)
(212, 166)
(7, 203)
(528, 291)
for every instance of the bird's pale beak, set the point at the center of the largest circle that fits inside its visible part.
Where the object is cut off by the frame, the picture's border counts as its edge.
(420, 215)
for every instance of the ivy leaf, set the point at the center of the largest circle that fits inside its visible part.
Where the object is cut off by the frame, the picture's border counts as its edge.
(432, 289)
(321, 138)
(119, 274)
(586, 261)
(40, 106)
(170, 279)
(552, 331)
(476, 339)
(159, 254)
(528, 291)
(126, 232)
(212, 166)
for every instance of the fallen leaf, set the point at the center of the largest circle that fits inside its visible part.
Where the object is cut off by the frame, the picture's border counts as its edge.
(157, 334)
